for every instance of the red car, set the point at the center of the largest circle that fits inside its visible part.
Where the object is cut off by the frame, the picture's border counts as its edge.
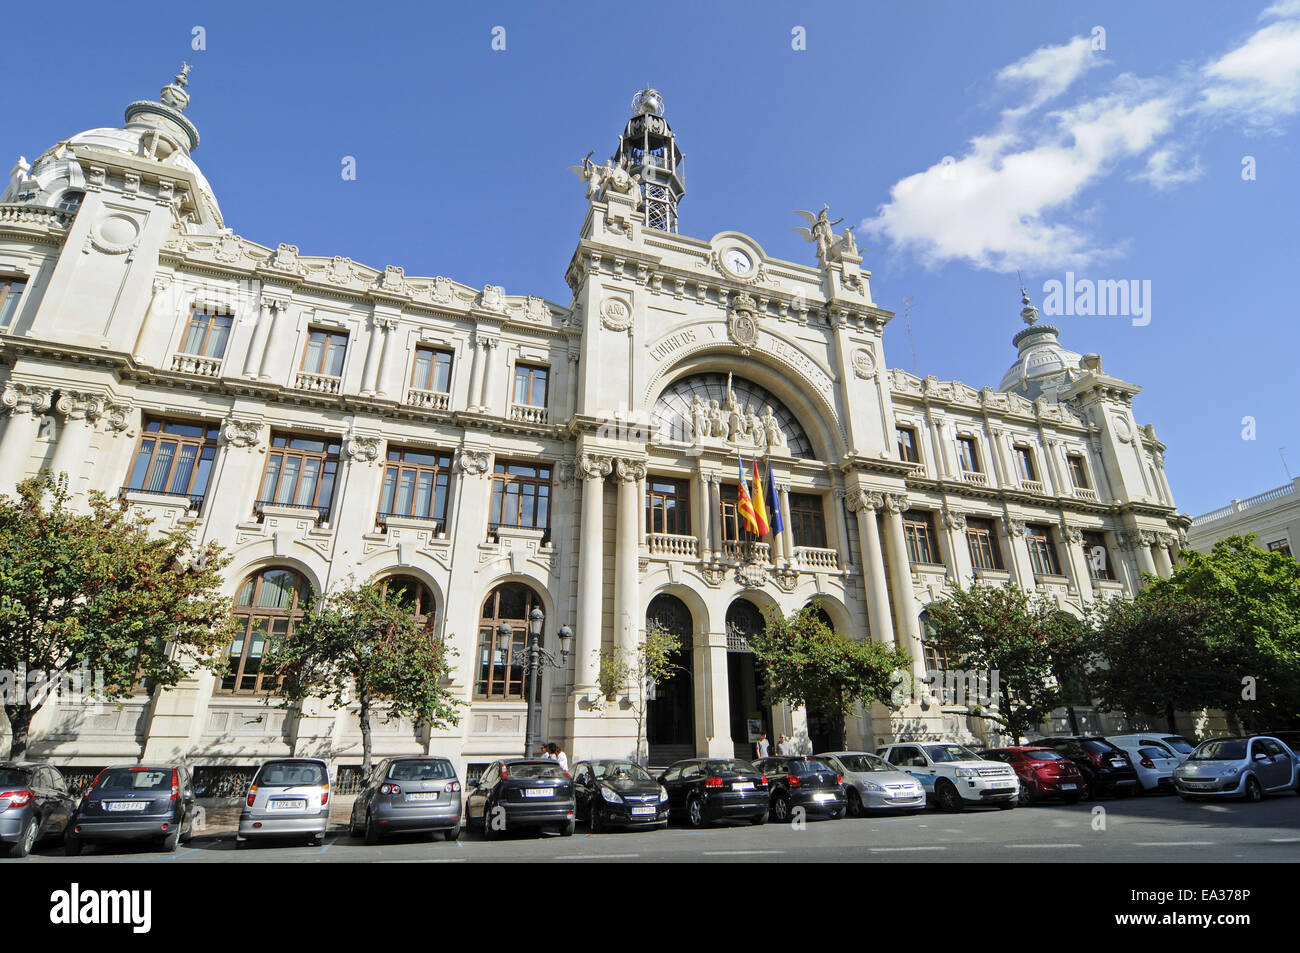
(1043, 773)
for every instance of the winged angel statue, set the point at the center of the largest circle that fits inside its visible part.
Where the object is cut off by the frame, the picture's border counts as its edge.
(608, 177)
(819, 230)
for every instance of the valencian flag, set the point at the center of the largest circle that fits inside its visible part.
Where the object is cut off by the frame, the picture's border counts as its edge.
(760, 504)
(745, 506)
(778, 524)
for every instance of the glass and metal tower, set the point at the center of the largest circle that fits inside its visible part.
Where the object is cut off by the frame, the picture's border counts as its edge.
(650, 150)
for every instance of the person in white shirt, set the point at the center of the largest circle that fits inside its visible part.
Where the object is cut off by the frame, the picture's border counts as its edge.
(557, 754)
(763, 747)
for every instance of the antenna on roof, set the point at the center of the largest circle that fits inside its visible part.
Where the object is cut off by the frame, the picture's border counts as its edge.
(1281, 452)
(907, 317)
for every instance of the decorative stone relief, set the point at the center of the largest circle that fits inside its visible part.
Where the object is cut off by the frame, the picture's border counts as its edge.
(473, 462)
(80, 406)
(630, 470)
(615, 314)
(742, 325)
(1074, 534)
(895, 502)
(116, 416)
(1015, 527)
(285, 259)
(23, 398)
(857, 499)
(241, 433)
(493, 298)
(442, 289)
(593, 467)
(864, 363)
(363, 448)
(954, 520)
(394, 280)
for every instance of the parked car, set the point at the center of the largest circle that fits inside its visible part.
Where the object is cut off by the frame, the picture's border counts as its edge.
(408, 796)
(34, 805)
(614, 793)
(873, 784)
(802, 781)
(702, 790)
(520, 792)
(1154, 761)
(1290, 738)
(133, 803)
(1248, 768)
(1178, 746)
(1044, 774)
(1105, 768)
(289, 798)
(953, 775)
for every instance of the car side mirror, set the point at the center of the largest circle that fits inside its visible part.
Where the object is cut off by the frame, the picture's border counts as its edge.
(1260, 756)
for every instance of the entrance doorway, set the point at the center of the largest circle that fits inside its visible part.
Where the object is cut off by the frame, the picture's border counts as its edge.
(750, 712)
(825, 728)
(670, 715)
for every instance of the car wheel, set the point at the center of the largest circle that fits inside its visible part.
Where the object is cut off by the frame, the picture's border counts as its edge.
(353, 829)
(453, 833)
(948, 797)
(781, 809)
(1087, 790)
(854, 805)
(168, 843)
(594, 822)
(1254, 792)
(695, 812)
(241, 843)
(26, 839)
(567, 829)
(489, 833)
(187, 834)
(72, 845)
(372, 830)
(1027, 797)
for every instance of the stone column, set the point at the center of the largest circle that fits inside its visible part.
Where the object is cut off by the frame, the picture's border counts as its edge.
(640, 519)
(1142, 542)
(718, 730)
(1164, 565)
(386, 357)
(487, 399)
(591, 470)
(257, 346)
(1078, 558)
(715, 513)
(475, 374)
(27, 403)
(629, 473)
(954, 530)
(158, 320)
(701, 515)
(865, 504)
(277, 306)
(79, 412)
(787, 534)
(370, 374)
(907, 632)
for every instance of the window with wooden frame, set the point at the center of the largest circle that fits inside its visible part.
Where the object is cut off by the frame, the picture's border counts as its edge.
(530, 385)
(267, 607)
(416, 484)
(325, 352)
(413, 594)
(521, 496)
(1078, 471)
(667, 507)
(207, 334)
(11, 289)
(175, 458)
(301, 471)
(1042, 554)
(1282, 546)
(500, 675)
(909, 445)
(733, 524)
(918, 530)
(432, 370)
(1097, 555)
(981, 539)
(968, 455)
(1025, 465)
(807, 520)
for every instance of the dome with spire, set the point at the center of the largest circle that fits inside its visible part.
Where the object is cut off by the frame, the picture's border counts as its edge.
(155, 130)
(1043, 368)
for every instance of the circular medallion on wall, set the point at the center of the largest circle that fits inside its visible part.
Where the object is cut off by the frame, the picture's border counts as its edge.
(115, 234)
(864, 363)
(616, 314)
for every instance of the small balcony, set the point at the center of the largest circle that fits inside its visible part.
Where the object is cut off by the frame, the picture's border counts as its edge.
(1084, 493)
(1032, 486)
(196, 364)
(670, 546)
(133, 495)
(525, 414)
(975, 478)
(427, 399)
(318, 383)
(318, 514)
(749, 551)
(386, 521)
(519, 531)
(817, 558)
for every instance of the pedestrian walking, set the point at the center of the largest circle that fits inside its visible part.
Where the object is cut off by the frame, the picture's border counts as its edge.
(764, 746)
(557, 754)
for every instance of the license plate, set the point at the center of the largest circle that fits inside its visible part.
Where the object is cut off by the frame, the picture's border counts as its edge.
(1116, 762)
(1003, 784)
(423, 796)
(642, 811)
(742, 786)
(126, 805)
(1067, 787)
(539, 792)
(823, 797)
(288, 804)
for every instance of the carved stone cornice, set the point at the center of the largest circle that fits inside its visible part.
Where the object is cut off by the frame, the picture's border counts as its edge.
(473, 462)
(241, 433)
(630, 469)
(23, 398)
(591, 466)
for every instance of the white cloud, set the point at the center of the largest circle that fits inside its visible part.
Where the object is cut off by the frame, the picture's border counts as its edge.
(1259, 81)
(1283, 8)
(1049, 71)
(1166, 168)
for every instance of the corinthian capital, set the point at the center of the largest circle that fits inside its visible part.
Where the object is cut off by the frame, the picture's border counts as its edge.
(896, 502)
(362, 447)
(1015, 527)
(76, 405)
(23, 398)
(954, 520)
(630, 469)
(473, 462)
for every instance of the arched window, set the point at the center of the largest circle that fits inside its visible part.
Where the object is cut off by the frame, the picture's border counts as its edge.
(936, 656)
(70, 200)
(500, 675)
(269, 604)
(413, 593)
(743, 620)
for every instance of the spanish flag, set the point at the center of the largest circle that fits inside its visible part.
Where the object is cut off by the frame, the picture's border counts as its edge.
(760, 505)
(745, 506)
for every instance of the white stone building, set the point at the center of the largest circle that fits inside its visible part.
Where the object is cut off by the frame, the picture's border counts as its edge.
(326, 420)
(1273, 516)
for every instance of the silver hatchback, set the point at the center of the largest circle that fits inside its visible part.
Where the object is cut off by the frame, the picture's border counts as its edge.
(408, 795)
(873, 784)
(1237, 767)
(289, 797)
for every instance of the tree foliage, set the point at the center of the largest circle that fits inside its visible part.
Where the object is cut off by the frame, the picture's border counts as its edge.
(653, 663)
(99, 591)
(810, 666)
(369, 641)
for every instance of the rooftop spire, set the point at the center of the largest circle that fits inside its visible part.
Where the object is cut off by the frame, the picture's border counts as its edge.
(1028, 313)
(174, 94)
(167, 114)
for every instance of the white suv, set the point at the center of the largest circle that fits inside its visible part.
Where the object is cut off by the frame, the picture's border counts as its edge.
(953, 775)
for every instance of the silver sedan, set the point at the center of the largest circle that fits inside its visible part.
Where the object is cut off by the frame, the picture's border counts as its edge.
(873, 784)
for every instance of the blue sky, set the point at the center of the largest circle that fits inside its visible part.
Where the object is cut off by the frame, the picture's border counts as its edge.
(1118, 163)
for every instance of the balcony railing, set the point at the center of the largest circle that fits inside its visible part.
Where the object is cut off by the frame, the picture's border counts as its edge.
(1083, 493)
(747, 551)
(427, 399)
(528, 415)
(669, 544)
(1032, 486)
(816, 557)
(494, 530)
(197, 364)
(36, 215)
(975, 477)
(193, 503)
(431, 523)
(322, 513)
(319, 383)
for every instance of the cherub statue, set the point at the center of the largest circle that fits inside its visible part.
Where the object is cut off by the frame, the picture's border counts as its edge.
(621, 180)
(818, 231)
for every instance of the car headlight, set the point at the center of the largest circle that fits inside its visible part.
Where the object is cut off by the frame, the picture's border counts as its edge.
(610, 795)
(663, 794)
(967, 773)
(1232, 772)
(872, 786)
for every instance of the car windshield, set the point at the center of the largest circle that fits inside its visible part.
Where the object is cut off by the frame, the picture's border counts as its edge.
(14, 776)
(115, 780)
(1230, 749)
(1044, 755)
(942, 753)
(619, 771)
(862, 763)
(535, 771)
(421, 771)
(730, 767)
(811, 766)
(1099, 747)
(284, 774)
(1153, 753)
(1181, 745)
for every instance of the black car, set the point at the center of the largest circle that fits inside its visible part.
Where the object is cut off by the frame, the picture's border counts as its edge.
(520, 792)
(1106, 769)
(34, 805)
(617, 793)
(802, 782)
(715, 789)
(135, 803)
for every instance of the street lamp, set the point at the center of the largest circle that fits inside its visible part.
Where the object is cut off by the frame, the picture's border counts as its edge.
(534, 658)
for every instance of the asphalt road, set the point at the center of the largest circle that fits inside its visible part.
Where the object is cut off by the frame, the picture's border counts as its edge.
(1160, 829)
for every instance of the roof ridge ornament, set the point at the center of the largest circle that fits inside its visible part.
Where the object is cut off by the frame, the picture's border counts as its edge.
(174, 94)
(1029, 314)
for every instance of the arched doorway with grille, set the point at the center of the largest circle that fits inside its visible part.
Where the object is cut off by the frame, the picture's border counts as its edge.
(670, 713)
(751, 715)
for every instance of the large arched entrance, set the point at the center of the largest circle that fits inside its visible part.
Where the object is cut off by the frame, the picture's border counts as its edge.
(751, 715)
(825, 728)
(670, 715)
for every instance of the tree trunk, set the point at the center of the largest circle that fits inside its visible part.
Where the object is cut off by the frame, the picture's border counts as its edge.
(20, 723)
(1169, 716)
(365, 732)
(1074, 719)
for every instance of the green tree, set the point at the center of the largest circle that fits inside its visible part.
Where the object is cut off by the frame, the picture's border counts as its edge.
(810, 666)
(653, 663)
(1028, 642)
(369, 641)
(99, 592)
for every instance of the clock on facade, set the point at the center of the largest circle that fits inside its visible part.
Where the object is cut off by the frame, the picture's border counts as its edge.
(738, 262)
